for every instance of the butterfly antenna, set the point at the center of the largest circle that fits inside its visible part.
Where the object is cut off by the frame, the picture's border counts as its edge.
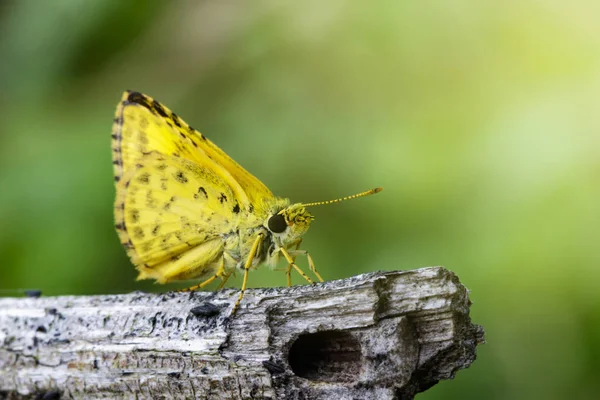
(354, 196)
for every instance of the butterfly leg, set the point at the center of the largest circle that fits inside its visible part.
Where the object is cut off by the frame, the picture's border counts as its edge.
(200, 285)
(288, 270)
(247, 267)
(220, 273)
(290, 260)
(223, 281)
(288, 274)
(311, 263)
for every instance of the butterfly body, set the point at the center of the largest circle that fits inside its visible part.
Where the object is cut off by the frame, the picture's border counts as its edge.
(185, 210)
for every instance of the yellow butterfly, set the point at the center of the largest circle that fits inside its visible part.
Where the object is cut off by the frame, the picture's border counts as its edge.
(185, 210)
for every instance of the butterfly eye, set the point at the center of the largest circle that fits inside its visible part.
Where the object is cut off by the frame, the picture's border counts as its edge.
(277, 223)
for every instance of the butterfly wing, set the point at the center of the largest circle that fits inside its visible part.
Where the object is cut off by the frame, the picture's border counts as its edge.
(171, 215)
(143, 125)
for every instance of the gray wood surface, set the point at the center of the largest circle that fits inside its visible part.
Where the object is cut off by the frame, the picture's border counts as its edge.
(383, 335)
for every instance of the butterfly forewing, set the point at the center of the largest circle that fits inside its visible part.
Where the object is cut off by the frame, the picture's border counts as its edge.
(143, 125)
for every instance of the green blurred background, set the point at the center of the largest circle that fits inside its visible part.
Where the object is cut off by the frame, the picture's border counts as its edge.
(480, 120)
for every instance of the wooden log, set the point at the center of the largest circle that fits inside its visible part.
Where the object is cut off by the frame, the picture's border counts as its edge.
(383, 335)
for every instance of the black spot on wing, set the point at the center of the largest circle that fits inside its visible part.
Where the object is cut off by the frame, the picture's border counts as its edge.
(222, 198)
(138, 233)
(138, 98)
(150, 200)
(236, 209)
(194, 132)
(176, 119)
(180, 177)
(134, 215)
(167, 205)
(159, 109)
(144, 178)
(147, 246)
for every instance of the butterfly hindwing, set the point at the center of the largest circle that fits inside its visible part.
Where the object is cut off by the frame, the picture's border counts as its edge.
(170, 214)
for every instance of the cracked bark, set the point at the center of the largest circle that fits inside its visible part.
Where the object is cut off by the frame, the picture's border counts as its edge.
(383, 335)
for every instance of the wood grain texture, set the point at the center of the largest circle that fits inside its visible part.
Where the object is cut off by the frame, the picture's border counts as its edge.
(383, 335)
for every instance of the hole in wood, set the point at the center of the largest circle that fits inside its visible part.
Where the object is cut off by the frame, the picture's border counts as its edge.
(329, 356)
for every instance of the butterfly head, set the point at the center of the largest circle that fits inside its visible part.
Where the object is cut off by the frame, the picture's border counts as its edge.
(290, 223)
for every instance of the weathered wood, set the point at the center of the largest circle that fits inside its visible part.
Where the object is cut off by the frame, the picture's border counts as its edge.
(384, 335)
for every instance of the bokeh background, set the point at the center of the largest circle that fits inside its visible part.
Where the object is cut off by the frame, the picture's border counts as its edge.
(480, 119)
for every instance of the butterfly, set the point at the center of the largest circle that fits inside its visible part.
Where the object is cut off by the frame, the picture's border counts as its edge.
(185, 210)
